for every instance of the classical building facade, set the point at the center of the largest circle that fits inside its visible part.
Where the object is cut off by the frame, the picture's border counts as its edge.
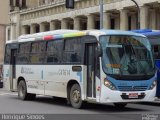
(32, 16)
(4, 21)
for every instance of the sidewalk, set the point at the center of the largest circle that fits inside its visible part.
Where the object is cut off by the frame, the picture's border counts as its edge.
(3, 90)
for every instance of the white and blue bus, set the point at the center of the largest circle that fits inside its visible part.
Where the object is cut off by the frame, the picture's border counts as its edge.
(101, 66)
(154, 38)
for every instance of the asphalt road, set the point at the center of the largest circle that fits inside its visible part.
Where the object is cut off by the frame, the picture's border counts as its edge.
(10, 104)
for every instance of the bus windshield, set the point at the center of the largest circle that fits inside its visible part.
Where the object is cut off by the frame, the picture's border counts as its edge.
(127, 57)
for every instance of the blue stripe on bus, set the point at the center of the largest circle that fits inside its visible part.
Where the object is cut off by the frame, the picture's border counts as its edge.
(80, 75)
(42, 74)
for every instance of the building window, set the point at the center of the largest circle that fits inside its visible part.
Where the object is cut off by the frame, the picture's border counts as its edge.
(47, 27)
(9, 33)
(37, 29)
(17, 3)
(11, 3)
(129, 23)
(28, 30)
(23, 3)
(42, 2)
(112, 23)
(97, 24)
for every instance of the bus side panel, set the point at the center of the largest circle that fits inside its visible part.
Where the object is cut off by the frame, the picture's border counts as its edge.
(32, 76)
(49, 79)
(57, 77)
(6, 76)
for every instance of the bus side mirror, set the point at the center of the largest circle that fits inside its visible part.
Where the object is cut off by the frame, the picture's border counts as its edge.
(99, 51)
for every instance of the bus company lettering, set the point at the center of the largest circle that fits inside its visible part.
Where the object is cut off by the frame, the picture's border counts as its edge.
(25, 70)
(60, 72)
(64, 72)
(33, 86)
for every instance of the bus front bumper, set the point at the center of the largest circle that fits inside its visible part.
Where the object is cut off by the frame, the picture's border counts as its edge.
(113, 96)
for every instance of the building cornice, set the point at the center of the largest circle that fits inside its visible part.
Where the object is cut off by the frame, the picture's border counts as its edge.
(45, 6)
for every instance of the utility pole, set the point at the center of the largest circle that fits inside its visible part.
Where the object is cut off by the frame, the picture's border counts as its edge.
(138, 19)
(101, 14)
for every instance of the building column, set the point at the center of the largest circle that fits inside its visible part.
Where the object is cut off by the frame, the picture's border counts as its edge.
(153, 19)
(63, 24)
(32, 28)
(158, 19)
(18, 31)
(134, 21)
(144, 17)
(76, 23)
(117, 22)
(42, 27)
(90, 22)
(13, 32)
(107, 21)
(23, 30)
(52, 25)
(123, 20)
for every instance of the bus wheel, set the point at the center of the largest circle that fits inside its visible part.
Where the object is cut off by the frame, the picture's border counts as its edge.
(22, 92)
(75, 96)
(120, 105)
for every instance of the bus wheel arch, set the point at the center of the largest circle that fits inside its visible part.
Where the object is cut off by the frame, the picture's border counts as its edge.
(69, 86)
(22, 90)
(19, 79)
(73, 87)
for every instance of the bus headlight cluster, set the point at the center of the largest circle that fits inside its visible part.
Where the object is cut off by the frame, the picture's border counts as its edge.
(153, 85)
(109, 84)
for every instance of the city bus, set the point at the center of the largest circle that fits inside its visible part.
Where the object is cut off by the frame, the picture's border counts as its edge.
(98, 66)
(154, 38)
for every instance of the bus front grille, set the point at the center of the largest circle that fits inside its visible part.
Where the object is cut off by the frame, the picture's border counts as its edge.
(132, 88)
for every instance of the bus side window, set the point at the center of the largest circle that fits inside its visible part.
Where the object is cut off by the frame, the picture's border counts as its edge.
(156, 51)
(54, 49)
(23, 53)
(7, 55)
(72, 50)
(37, 52)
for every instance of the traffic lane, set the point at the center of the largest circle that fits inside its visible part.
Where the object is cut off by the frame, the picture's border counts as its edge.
(46, 105)
(95, 117)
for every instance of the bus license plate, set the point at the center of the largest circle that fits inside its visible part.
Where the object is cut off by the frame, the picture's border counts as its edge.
(133, 95)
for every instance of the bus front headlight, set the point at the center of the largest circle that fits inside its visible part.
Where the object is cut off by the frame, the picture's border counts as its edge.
(153, 85)
(108, 84)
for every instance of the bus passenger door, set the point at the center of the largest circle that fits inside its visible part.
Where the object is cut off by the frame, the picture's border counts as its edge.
(13, 70)
(90, 61)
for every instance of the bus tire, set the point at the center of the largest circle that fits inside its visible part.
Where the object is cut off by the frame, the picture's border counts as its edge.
(120, 105)
(75, 96)
(22, 92)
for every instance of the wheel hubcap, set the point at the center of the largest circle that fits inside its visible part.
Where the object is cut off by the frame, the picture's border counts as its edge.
(21, 91)
(76, 96)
